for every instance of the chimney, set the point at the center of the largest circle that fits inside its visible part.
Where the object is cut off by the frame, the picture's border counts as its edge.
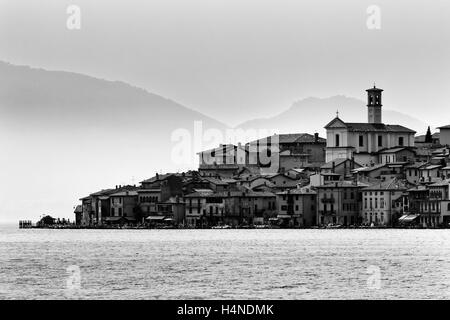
(316, 137)
(157, 176)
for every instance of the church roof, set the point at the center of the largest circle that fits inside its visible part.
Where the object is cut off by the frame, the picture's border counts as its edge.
(378, 127)
(369, 127)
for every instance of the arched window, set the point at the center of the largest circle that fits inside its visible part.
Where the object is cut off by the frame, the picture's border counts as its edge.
(338, 142)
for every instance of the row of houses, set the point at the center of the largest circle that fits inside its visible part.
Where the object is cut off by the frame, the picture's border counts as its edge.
(339, 193)
(361, 174)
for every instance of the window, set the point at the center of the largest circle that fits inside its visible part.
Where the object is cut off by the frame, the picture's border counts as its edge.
(361, 141)
(120, 212)
(401, 141)
(337, 140)
(380, 141)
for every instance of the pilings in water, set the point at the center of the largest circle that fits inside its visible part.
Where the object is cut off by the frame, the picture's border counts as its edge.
(23, 224)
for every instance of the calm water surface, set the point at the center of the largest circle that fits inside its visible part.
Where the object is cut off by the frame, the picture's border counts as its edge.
(225, 264)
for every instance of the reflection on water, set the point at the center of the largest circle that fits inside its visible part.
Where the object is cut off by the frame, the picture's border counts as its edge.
(224, 264)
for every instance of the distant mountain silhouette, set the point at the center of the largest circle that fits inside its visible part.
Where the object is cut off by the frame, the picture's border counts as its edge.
(312, 114)
(79, 100)
(64, 135)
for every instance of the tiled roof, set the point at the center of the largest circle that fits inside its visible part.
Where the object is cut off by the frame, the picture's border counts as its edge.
(376, 127)
(370, 168)
(343, 184)
(124, 193)
(337, 162)
(291, 138)
(441, 183)
(158, 177)
(416, 165)
(298, 191)
(393, 150)
(227, 194)
(393, 184)
(444, 127)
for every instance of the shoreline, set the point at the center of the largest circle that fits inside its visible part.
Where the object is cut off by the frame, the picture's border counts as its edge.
(62, 227)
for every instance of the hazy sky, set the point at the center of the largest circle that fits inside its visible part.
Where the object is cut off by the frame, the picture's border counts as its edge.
(239, 59)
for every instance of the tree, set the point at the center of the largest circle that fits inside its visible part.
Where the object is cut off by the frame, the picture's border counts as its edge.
(47, 220)
(428, 136)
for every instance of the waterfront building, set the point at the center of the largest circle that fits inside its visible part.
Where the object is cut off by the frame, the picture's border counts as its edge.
(168, 185)
(209, 208)
(423, 207)
(123, 207)
(383, 202)
(364, 141)
(297, 207)
(339, 203)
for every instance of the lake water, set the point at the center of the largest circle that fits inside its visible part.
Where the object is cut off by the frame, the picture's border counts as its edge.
(224, 264)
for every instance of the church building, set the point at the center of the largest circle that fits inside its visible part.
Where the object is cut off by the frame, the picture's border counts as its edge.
(363, 141)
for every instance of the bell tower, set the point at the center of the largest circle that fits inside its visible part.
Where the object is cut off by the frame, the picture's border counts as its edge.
(374, 104)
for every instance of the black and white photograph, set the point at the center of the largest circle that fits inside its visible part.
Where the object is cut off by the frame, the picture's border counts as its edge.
(224, 150)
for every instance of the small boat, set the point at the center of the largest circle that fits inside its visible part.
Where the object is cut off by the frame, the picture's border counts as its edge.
(221, 227)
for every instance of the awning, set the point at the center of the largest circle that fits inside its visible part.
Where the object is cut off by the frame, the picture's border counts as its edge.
(284, 216)
(159, 218)
(168, 219)
(273, 219)
(408, 217)
(113, 218)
